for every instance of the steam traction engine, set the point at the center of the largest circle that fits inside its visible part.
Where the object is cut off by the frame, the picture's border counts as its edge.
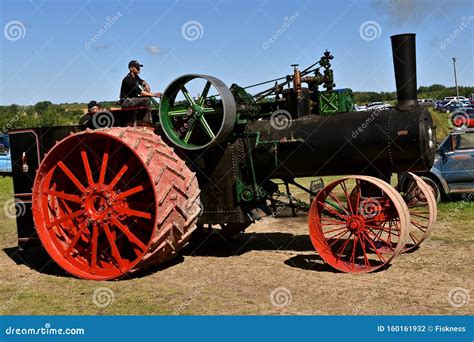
(109, 201)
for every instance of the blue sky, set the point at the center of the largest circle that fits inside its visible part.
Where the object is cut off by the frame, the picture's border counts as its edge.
(78, 50)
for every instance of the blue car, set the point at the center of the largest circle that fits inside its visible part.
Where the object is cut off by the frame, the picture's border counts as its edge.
(452, 107)
(5, 157)
(453, 170)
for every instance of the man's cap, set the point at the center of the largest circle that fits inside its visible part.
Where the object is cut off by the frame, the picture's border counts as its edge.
(135, 64)
(92, 104)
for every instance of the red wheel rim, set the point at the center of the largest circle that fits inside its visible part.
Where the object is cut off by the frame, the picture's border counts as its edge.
(421, 204)
(89, 209)
(354, 230)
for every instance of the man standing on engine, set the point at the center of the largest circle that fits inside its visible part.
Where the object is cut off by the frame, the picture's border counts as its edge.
(135, 92)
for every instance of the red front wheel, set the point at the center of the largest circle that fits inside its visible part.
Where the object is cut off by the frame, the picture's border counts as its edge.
(358, 224)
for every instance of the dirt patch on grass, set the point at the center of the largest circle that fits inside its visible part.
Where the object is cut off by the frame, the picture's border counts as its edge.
(271, 269)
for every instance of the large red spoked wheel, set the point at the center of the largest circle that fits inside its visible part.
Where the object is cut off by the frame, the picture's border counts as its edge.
(421, 203)
(358, 223)
(108, 202)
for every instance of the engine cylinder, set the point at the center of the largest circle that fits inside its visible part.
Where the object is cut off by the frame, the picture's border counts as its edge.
(349, 143)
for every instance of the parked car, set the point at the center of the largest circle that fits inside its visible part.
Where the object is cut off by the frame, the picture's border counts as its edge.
(440, 103)
(463, 118)
(4, 143)
(360, 108)
(426, 101)
(453, 169)
(452, 106)
(377, 105)
(5, 156)
(5, 164)
(455, 98)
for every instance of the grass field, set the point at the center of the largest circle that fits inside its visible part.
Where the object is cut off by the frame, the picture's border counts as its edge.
(238, 277)
(441, 122)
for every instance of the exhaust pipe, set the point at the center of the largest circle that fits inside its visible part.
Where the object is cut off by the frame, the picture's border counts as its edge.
(404, 62)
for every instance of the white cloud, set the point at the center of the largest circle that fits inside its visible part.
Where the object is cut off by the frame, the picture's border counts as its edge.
(155, 50)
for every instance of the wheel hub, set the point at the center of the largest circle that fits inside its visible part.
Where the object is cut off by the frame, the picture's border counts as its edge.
(197, 110)
(99, 203)
(355, 223)
(419, 195)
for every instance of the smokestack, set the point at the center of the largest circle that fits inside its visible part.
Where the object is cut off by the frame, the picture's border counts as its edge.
(404, 62)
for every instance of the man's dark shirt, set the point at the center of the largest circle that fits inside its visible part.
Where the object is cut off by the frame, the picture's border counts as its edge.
(130, 87)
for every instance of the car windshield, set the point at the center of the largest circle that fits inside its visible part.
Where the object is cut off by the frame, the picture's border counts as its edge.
(465, 141)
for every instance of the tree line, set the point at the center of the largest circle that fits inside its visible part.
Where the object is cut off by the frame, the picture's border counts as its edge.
(435, 92)
(42, 114)
(45, 113)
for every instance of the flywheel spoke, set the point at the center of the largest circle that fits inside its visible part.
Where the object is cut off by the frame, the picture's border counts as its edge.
(205, 91)
(206, 127)
(186, 94)
(189, 131)
(178, 113)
